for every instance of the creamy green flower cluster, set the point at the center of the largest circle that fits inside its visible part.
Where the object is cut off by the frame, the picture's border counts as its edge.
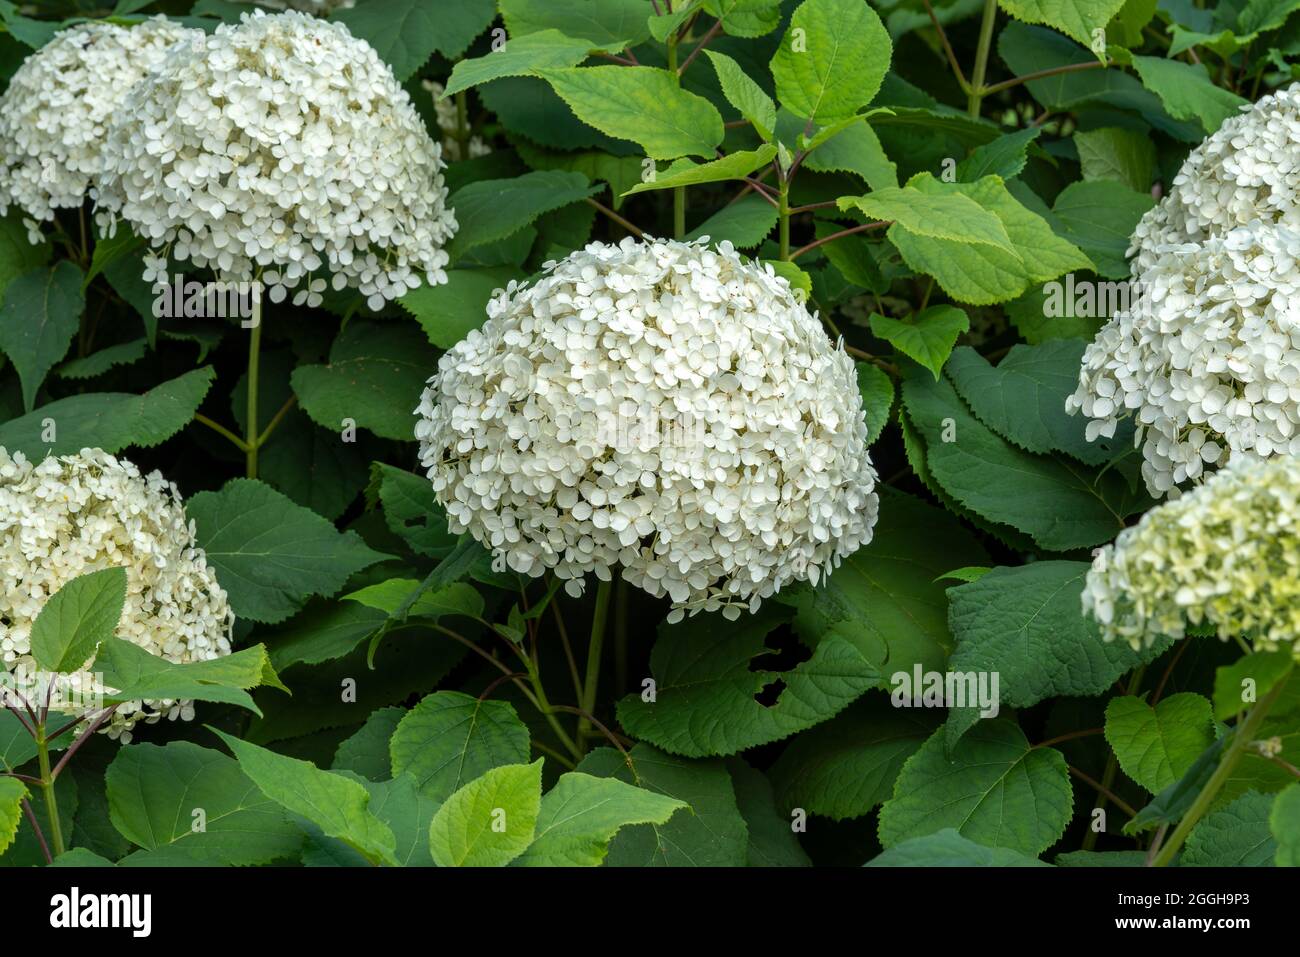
(1226, 555)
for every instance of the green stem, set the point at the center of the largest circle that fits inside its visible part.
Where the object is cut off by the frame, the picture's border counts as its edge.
(277, 419)
(47, 785)
(1112, 765)
(620, 636)
(1241, 739)
(462, 124)
(598, 618)
(547, 711)
(783, 211)
(253, 439)
(982, 59)
(925, 299)
(679, 192)
(221, 430)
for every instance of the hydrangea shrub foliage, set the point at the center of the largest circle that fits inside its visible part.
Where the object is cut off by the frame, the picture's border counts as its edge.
(650, 432)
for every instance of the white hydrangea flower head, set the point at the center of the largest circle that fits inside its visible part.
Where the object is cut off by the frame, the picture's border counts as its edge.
(657, 406)
(1224, 555)
(55, 111)
(74, 514)
(1206, 359)
(1246, 172)
(449, 126)
(279, 147)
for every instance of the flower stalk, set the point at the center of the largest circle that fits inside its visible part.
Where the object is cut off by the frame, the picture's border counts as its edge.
(253, 439)
(976, 94)
(1241, 739)
(47, 789)
(600, 616)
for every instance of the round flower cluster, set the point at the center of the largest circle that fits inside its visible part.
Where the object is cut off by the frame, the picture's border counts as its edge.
(1244, 174)
(658, 406)
(275, 148)
(1206, 356)
(55, 110)
(1226, 554)
(75, 514)
(449, 125)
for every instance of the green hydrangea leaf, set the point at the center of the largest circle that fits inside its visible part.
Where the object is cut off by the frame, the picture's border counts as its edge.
(39, 315)
(269, 554)
(1061, 504)
(877, 390)
(1026, 624)
(856, 149)
(1284, 822)
(76, 618)
(1239, 685)
(1234, 836)
(994, 789)
(705, 689)
(450, 738)
(374, 370)
(712, 834)
(336, 804)
(111, 421)
(983, 274)
(744, 94)
(641, 104)
(948, 848)
(494, 209)
(134, 674)
(450, 311)
(928, 337)
(746, 18)
(939, 214)
(1079, 19)
(184, 804)
(744, 224)
(604, 23)
(884, 598)
(581, 814)
(1022, 398)
(520, 56)
(845, 767)
(687, 173)
(12, 792)
(1004, 157)
(1157, 745)
(405, 33)
(1187, 91)
(1099, 216)
(832, 60)
(490, 821)
(772, 840)
(1114, 153)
